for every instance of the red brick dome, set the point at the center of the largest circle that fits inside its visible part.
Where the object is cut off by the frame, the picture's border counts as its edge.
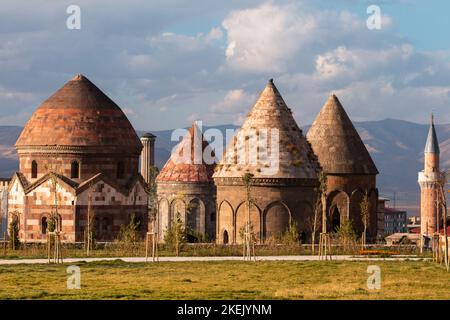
(79, 115)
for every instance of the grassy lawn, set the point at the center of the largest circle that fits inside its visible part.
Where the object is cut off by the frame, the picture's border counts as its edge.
(227, 280)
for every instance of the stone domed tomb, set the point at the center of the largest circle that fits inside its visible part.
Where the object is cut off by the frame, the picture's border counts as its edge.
(81, 139)
(185, 187)
(350, 170)
(271, 147)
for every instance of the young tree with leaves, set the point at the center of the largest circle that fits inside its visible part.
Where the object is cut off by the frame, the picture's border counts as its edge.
(176, 233)
(13, 230)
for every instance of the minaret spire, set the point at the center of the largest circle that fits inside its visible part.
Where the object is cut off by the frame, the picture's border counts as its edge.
(429, 181)
(432, 145)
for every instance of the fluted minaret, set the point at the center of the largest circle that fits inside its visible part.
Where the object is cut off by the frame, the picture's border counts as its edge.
(147, 155)
(429, 179)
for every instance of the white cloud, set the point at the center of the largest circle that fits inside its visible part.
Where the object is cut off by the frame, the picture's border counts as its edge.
(137, 54)
(261, 39)
(233, 107)
(214, 34)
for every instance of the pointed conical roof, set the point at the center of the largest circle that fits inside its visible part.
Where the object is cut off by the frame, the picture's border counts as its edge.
(188, 163)
(295, 157)
(79, 114)
(336, 142)
(432, 145)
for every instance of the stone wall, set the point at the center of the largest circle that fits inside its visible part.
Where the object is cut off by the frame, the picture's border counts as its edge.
(196, 203)
(345, 194)
(270, 212)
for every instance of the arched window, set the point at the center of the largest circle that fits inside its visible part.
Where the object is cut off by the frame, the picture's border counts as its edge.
(34, 169)
(44, 225)
(335, 219)
(120, 170)
(75, 170)
(225, 237)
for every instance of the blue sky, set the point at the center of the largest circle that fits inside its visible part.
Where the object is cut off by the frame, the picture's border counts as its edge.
(167, 63)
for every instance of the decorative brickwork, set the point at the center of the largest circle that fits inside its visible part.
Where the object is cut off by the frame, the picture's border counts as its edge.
(185, 187)
(82, 140)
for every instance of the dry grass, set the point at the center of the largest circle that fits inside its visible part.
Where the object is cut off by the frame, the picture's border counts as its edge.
(227, 280)
(190, 250)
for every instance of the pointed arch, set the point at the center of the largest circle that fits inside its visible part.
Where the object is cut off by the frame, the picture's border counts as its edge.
(177, 207)
(163, 217)
(276, 219)
(338, 209)
(241, 220)
(196, 215)
(225, 221)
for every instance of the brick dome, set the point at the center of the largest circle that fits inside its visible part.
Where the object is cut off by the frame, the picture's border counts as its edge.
(336, 142)
(79, 115)
(193, 168)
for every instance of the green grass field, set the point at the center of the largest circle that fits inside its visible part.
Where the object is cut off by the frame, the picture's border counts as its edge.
(227, 280)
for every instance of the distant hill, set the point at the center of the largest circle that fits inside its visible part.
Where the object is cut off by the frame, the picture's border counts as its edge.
(395, 145)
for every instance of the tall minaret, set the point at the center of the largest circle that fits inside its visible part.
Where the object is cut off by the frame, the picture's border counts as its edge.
(429, 179)
(147, 155)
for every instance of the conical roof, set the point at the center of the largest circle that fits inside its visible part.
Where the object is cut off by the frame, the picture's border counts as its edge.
(432, 145)
(336, 142)
(187, 163)
(79, 114)
(245, 155)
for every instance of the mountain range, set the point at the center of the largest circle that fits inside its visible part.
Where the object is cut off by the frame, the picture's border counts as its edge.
(396, 147)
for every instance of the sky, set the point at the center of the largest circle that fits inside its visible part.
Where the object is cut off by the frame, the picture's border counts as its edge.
(168, 63)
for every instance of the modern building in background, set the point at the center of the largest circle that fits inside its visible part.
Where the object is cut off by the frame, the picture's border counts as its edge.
(4, 183)
(395, 221)
(381, 218)
(414, 224)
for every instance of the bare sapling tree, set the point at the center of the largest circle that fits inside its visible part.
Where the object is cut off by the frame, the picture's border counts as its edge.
(443, 211)
(315, 220)
(324, 241)
(249, 243)
(364, 207)
(152, 213)
(55, 223)
(89, 231)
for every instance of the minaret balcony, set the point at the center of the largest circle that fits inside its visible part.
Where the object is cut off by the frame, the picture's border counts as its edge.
(429, 177)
